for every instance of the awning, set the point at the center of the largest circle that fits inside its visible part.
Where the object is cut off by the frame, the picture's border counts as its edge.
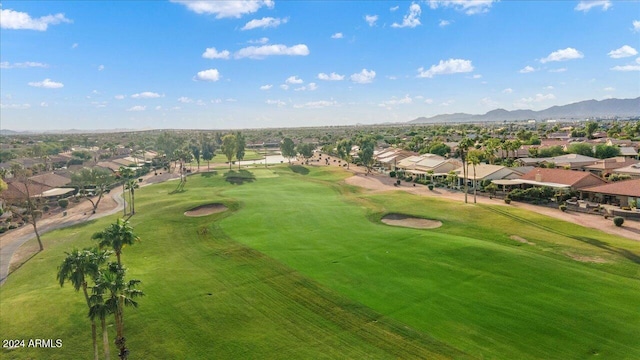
(508, 182)
(55, 192)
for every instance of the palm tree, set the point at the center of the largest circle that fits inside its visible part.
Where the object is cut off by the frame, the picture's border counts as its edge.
(99, 309)
(119, 294)
(76, 268)
(132, 185)
(474, 158)
(463, 149)
(116, 236)
(126, 174)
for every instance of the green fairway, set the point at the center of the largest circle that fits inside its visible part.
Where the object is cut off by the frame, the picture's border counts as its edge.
(301, 267)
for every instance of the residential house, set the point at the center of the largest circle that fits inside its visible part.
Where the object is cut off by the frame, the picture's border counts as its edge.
(486, 172)
(632, 170)
(428, 165)
(617, 193)
(575, 180)
(606, 166)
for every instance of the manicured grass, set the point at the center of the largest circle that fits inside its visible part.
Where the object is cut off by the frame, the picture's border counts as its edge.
(301, 267)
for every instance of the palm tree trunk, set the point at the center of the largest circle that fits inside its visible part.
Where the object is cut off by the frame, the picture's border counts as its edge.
(124, 198)
(105, 339)
(475, 183)
(94, 334)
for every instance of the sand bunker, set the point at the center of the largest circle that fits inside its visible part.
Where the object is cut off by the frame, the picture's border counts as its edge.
(586, 259)
(204, 210)
(410, 221)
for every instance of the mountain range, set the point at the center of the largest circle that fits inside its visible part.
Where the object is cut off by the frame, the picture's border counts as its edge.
(581, 110)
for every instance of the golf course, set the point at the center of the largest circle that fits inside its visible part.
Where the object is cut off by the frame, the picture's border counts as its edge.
(296, 264)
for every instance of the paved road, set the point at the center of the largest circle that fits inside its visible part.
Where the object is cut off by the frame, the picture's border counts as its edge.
(9, 243)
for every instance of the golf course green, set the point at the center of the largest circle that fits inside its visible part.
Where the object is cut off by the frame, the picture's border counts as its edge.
(300, 266)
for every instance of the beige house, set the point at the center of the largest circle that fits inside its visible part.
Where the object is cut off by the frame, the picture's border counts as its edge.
(486, 172)
(427, 165)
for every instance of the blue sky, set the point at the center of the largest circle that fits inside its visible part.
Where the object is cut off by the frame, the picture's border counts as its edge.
(253, 64)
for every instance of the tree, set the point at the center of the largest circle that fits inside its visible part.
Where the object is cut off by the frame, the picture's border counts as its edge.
(125, 175)
(195, 150)
(116, 236)
(344, 150)
(132, 185)
(95, 181)
(606, 151)
(99, 309)
(240, 145)
(117, 294)
(305, 150)
(229, 147)
(463, 149)
(590, 127)
(24, 203)
(581, 149)
(474, 158)
(367, 146)
(3, 185)
(208, 151)
(182, 155)
(490, 147)
(288, 148)
(439, 148)
(76, 268)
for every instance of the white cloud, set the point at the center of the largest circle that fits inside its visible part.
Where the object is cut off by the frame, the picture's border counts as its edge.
(44, 104)
(185, 100)
(558, 70)
(225, 9)
(507, 91)
(231, 100)
(74, 45)
(337, 35)
(428, 101)
(15, 106)
(371, 19)
(309, 87)
(284, 87)
(279, 103)
(489, 103)
(137, 108)
(22, 65)
(260, 52)
(294, 80)
(394, 8)
(451, 66)
(266, 87)
(392, 77)
(331, 77)
(208, 75)
(587, 5)
(411, 19)
(638, 60)
(563, 55)
(466, 6)
(100, 67)
(626, 68)
(212, 53)
(548, 87)
(636, 25)
(146, 95)
(395, 101)
(527, 102)
(448, 103)
(262, 40)
(119, 97)
(47, 83)
(624, 51)
(477, 76)
(265, 22)
(363, 77)
(16, 20)
(444, 23)
(315, 104)
(216, 101)
(609, 89)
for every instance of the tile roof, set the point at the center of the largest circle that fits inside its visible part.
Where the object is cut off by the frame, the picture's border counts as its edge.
(624, 188)
(558, 176)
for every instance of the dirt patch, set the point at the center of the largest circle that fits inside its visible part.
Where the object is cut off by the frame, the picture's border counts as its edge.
(521, 240)
(586, 259)
(410, 221)
(204, 210)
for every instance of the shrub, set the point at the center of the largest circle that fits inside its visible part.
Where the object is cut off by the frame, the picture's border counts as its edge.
(618, 221)
(398, 182)
(408, 179)
(430, 186)
(563, 207)
(63, 203)
(507, 200)
(392, 174)
(45, 208)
